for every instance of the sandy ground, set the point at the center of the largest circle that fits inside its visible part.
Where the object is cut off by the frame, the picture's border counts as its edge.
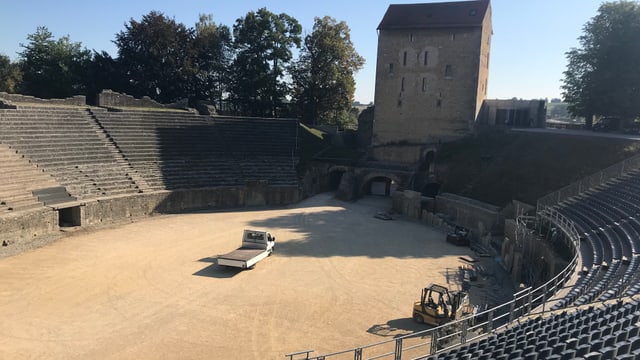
(151, 289)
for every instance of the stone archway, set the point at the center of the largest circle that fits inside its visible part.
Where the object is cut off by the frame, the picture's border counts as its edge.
(383, 184)
(335, 175)
(427, 161)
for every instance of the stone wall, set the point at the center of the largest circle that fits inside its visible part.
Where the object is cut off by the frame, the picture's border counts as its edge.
(449, 209)
(427, 101)
(25, 226)
(316, 178)
(109, 98)
(516, 113)
(78, 100)
(22, 227)
(401, 153)
(407, 203)
(365, 127)
(480, 217)
(528, 258)
(139, 205)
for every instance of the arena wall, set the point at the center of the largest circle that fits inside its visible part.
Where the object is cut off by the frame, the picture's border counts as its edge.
(78, 100)
(24, 226)
(109, 99)
(474, 215)
(21, 227)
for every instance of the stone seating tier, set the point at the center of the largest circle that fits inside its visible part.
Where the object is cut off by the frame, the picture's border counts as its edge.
(177, 146)
(68, 144)
(94, 152)
(16, 181)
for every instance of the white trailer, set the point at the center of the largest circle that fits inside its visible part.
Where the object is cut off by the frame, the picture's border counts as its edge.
(256, 246)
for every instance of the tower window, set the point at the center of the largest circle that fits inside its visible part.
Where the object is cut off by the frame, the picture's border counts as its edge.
(453, 36)
(402, 85)
(426, 58)
(439, 103)
(390, 68)
(448, 71)
(404, 58)
(411, 37)
(424, 84)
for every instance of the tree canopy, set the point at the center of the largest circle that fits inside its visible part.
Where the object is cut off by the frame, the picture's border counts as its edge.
(323, 75)
(10, 75)
(263, 43)
(153, 56)
(247, 70)
(603, 76)
(53, 68)
(210, 58)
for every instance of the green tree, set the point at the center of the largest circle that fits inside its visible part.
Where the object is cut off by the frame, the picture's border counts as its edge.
(53, 69)
(153, 55)
(263, 42)
(323, 75)
(10, 75)
(104, 73)
(602, 76)
(210, 60)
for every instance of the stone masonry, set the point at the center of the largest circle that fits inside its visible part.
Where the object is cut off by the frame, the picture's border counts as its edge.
(431, 76)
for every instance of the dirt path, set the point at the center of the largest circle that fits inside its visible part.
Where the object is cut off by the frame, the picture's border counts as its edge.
(151, 289)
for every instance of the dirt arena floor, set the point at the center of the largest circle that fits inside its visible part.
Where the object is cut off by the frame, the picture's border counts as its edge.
(150, 289)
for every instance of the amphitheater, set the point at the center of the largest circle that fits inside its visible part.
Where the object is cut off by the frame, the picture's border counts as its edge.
(114, 217)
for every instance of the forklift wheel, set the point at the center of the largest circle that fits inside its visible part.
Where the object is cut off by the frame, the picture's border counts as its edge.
(418, 318)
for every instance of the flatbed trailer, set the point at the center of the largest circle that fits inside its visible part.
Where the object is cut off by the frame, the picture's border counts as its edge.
(256, 246)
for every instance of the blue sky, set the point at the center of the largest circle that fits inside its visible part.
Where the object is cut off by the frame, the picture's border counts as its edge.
(528, 48)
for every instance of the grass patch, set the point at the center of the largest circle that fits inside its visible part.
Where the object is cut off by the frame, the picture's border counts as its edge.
(496, 168)
(317, 144)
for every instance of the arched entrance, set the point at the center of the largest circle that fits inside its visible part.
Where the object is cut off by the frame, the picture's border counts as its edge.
(428, 162)
(380, 185)
(335, 176)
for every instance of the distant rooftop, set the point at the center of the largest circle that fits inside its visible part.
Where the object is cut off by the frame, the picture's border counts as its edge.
(435, 15)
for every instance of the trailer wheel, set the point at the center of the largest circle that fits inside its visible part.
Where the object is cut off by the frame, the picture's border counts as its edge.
(418, 318)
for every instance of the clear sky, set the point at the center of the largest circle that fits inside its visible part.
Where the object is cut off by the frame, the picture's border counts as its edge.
(528, 48)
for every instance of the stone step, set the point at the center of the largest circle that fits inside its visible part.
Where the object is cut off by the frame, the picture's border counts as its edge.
(20, 207)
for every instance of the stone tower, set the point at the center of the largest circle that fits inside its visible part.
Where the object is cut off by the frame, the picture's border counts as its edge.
(431, 76)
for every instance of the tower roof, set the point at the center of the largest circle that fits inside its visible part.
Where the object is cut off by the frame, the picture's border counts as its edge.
(435, 15)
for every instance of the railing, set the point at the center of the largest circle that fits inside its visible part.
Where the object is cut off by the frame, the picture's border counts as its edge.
(471, 327)
(588, 182)
(567, 226)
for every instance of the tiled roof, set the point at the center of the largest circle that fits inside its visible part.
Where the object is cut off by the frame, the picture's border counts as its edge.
(435, 15)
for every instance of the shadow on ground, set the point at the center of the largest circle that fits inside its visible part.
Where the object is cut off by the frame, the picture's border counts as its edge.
(356, 232)
(215, 271)
(397, 327)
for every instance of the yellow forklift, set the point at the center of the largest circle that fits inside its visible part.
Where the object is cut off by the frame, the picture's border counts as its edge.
(438, 306)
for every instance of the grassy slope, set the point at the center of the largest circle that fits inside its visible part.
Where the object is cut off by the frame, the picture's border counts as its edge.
(315, 142)
(497, 168)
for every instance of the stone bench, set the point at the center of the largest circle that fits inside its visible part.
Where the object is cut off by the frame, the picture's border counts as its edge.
(53, 195)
